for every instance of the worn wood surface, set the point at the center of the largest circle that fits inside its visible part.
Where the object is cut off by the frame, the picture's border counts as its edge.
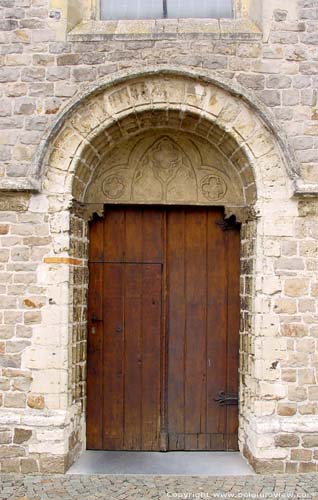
(163, 330)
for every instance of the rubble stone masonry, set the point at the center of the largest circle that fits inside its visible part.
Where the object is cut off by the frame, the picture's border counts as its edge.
(71, 88)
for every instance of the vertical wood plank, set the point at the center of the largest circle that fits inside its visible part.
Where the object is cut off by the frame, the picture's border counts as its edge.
(164, 344)
(152, 233)
(133, 234)
(113, 416)
(151, 318)
(195, 336)
(176, 327)
(114, 234)
(133, 357)
(94, 416)
(96, 240)
(216, 323)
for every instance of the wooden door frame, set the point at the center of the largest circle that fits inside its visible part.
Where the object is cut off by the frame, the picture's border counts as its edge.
(164, 344)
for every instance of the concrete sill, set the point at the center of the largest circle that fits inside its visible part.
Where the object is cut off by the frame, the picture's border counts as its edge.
(160, 29)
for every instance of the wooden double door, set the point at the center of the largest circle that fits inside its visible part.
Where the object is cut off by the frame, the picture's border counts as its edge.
(163, 330)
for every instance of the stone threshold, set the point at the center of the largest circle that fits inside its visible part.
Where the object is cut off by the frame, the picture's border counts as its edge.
(185, 463)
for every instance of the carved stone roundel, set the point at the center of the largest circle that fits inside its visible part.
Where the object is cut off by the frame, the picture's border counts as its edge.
(214, 187)
(113, 186)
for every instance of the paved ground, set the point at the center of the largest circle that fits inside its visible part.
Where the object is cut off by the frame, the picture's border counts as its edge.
(77, 487)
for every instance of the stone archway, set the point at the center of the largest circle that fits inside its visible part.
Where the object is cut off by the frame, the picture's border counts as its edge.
(143, 114)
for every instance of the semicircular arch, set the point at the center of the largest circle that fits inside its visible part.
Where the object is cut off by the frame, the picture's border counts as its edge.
(108, 115)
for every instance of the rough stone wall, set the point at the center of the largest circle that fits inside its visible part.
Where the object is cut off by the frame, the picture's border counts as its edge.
(247, 387)
(40, 74)
(42, 344)
(78, 322)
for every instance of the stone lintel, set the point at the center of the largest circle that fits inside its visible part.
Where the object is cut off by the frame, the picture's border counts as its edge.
(172, 29)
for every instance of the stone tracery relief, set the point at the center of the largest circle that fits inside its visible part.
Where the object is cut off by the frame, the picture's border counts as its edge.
(165, 173)
(165, 167)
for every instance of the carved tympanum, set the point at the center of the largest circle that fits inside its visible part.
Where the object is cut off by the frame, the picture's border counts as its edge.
(165, 174)
(165, 166)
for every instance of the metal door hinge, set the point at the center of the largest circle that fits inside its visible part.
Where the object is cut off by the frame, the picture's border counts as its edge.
(226, 399)
(229, 224)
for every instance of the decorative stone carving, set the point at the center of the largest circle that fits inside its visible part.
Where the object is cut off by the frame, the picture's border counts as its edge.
(113, 186)
(165, 167)
(165, 174)
(214, 187)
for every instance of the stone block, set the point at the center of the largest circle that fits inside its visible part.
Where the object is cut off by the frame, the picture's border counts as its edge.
(294, 330)
(33, 74)
(63, 89)
(287, 440)
(84, 74)
(5, 436)
(50, 381)
(278, 82)
(56, 73)
(291, 97)
(308, 409)
(306, 305)
(21, 435)
(21, 384)
(307, 467)
(68, 59)
(25, 106)
(305, 345)
(290, 264)
(306, 376)
(254, 82)
(301, 455)
(9, 451)
(271, 98)
(286, 409)
(52, 464)
(291, 468)
(32, 317)
(297, 393)
(296, 287)
(36, 402)
(14, 400)
(313, 393)
(9, 75)
(29, 466)
(10, 465)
